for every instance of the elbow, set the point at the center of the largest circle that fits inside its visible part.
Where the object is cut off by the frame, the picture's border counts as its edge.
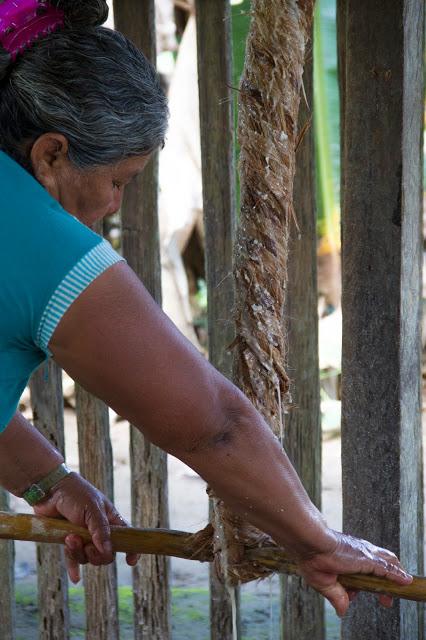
(222, 429)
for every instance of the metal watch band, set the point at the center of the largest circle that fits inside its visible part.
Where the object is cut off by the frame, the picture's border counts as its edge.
(39, 490)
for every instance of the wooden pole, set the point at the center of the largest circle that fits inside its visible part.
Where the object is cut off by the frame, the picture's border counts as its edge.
(7, 582)
(48, 411)
(214, 47)
(192, 546)
(96, 465)
(303, 608)
(140, 242)
(382, 252)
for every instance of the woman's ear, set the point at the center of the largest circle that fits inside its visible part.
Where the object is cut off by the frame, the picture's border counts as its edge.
(49, 159)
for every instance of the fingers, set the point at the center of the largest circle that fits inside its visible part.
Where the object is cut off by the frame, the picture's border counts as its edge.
(74, 556)
(387, 565)
(132, 559)
(116, 519)
(98, 526)
(352, 594)
(354, 555)
(386, 601)
(75, 549)
(73, 569)
(98, 519)
(338, 597)
(77, 553)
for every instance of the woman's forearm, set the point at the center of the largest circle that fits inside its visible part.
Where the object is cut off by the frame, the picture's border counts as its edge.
(25, 456)
(246, 466)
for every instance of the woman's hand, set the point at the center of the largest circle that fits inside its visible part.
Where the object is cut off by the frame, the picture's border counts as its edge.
(350, 555)
(79, 502)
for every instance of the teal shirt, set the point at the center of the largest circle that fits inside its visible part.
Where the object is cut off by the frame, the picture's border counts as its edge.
(47, 258)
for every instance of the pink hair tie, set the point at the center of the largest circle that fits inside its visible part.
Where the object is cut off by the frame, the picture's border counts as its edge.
(22, 22)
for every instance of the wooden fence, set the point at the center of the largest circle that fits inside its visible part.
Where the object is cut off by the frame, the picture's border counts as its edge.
(380, 71)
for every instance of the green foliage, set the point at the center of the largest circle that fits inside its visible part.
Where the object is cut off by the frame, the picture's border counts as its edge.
(327, 122)
(190, 614)
(326, 107)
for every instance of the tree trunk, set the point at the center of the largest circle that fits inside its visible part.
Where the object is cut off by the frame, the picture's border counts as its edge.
(48, 411)
(96, 464)
(140, 241)
(7, 583)
(303, 608)
(214, 44)
(382, 253)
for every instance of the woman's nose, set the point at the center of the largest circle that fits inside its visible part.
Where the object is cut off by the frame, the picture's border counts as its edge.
(115, 205)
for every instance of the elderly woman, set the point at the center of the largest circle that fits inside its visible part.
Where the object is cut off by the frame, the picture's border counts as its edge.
(81, 111)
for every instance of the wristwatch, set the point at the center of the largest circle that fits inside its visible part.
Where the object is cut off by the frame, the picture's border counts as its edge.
(38, 491)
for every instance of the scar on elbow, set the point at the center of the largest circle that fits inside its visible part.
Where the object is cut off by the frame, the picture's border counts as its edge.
(222, 438)
(223, 429)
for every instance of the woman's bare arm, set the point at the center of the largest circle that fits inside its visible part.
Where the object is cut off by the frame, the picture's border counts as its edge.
(119, 345)
(25, 455)
(25, 458)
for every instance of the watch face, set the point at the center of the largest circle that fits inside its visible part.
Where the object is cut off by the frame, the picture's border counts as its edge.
(34, 495)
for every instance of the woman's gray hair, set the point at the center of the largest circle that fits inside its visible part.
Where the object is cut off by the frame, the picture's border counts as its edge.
(90, 84)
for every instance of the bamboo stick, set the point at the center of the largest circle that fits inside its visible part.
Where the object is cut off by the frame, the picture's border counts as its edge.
(192, 546)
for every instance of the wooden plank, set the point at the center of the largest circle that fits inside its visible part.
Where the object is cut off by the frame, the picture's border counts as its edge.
(214, 47)
(381, 410)
(302, 607)
(7, 582)
(341, 9)
(140, 242)
(96, 465)
(48, 416)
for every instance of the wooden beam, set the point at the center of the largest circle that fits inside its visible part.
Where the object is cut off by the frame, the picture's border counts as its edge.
(48, 411)
(382, 253)
(96, 465)
(303, 608)
(141, 248)
(7, 582)
(214, 46)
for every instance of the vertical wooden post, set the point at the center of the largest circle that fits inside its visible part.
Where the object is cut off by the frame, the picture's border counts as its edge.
(381, 410)
(303, 608)
(140, 241)
(7, 582)
(96, 465)
(214, 46)
(48, 411)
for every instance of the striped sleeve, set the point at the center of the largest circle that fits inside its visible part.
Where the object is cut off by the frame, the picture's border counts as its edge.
(91, 265)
